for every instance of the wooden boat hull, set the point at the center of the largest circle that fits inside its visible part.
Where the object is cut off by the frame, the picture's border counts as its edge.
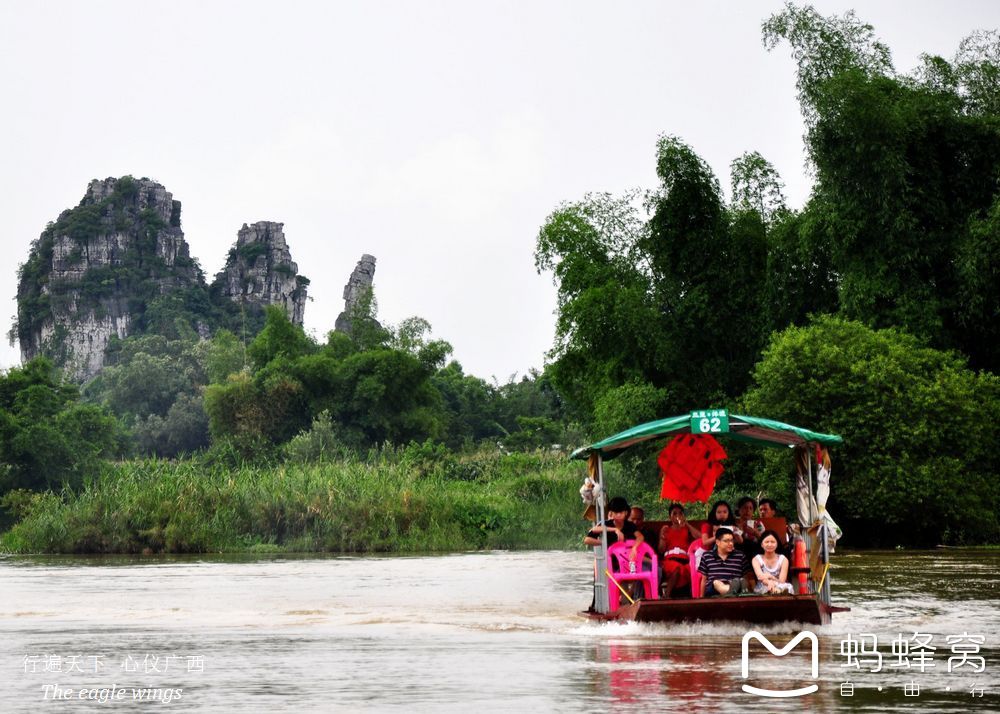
(754, 609)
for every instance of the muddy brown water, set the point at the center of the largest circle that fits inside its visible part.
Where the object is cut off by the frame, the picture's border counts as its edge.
(485, 632)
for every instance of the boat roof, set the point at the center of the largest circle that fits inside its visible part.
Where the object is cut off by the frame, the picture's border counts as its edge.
(756, 430)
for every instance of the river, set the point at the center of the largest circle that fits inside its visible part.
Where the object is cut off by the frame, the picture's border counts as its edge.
(495, 631)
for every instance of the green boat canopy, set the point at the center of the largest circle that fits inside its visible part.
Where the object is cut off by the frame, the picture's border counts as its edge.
(718, 423)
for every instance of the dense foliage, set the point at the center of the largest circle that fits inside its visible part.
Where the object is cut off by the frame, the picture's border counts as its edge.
(155, 384)
(672, 301)
(666, 303)
(872, 311)
(47, 438)
(920, 429)
(379, 385)
(907, 169)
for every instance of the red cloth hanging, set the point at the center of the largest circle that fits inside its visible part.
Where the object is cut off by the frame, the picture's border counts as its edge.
(690, 464)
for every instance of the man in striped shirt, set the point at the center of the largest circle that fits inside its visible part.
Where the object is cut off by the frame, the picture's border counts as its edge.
(724, 568)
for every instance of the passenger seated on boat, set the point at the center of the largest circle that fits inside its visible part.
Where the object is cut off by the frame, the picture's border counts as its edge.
(719, 515)
(724, 569)
(748, 526)
(771, 567)
(617, 526)
(768, 509)
(638, 517)
(675, 538)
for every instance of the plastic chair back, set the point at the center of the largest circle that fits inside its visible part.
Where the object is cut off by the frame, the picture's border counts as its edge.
(619, 556)
(693, 560)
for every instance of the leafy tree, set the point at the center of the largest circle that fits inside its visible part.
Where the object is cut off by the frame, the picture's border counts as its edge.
(386, 395)
(154, 385)
(411, 337)
(372, 393)
(533, 433)
(918, 460)
(145, 384)
(673, 301)
(411, 334)
(978, 267)
(226, 354)
(757, 187)
(183, 430)
(47, 438)
(235, 407)
(630, 404)
(973, 74)
(321, 442)
(470, 406)
(825, 47)
(906, 169)
(268, 407)
(533, 395)
(280, 337)
(607, 328)
(801, 280)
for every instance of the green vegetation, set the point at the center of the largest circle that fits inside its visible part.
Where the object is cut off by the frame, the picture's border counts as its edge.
(392, 500)
(249, 252)
(906, 168)
(919, 427)
(380, 385)
(154, 385)
(669, 303)
(301, 446)
(47, 438)
(871, 312)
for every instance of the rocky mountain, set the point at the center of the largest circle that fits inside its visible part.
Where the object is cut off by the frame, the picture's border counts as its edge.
(358, 288)
(259, 271)
(118, 264)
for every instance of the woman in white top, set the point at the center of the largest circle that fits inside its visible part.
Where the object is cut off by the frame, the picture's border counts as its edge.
(771, 567)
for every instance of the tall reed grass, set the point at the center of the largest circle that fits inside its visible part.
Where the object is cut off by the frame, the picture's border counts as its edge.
(392, 500)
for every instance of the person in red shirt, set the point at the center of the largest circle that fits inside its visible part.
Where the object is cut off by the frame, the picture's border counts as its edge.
(675, 537)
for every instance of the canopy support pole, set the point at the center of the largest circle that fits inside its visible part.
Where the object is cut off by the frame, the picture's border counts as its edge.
(814, 515)
(601, 602)
(824, 594)
(824, 546)
(809, 482)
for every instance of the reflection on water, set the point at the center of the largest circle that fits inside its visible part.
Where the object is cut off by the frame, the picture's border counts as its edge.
(490, 631)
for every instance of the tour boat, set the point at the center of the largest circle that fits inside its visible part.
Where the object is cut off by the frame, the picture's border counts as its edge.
(809, 571)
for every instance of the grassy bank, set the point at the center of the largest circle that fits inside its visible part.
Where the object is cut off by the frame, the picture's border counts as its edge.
(389, 501)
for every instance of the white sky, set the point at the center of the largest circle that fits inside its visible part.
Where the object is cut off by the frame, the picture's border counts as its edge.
(436, 136)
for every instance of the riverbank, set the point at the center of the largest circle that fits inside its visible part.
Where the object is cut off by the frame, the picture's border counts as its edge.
(391, 501)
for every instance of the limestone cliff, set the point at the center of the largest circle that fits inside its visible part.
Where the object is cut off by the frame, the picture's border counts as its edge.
(93, 272)
(259, 271)
(118, 265)
(358, 288)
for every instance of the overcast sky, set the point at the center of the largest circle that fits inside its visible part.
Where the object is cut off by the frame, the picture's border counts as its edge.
(436, 136)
